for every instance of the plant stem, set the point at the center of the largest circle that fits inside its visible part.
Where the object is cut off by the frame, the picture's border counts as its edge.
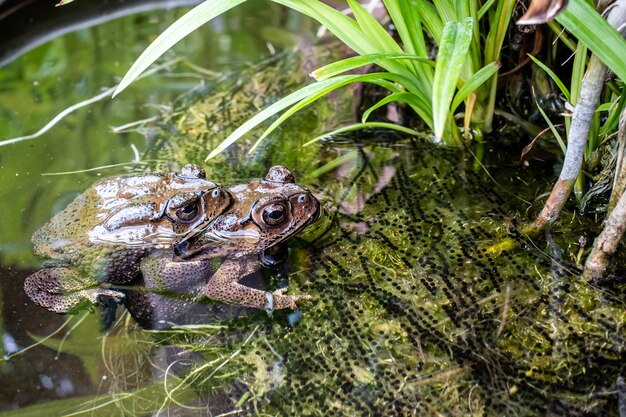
(591, 88)
(619, 183)
(576, 142)
(606, 243)
(493, 46)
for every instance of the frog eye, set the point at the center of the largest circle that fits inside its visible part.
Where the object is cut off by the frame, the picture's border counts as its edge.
(188, 212)
(274, 214)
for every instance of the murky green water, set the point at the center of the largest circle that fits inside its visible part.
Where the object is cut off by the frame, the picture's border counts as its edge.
(414, 315)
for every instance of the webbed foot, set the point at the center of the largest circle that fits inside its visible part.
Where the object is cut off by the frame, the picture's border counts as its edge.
(62, 290)
(281, 301)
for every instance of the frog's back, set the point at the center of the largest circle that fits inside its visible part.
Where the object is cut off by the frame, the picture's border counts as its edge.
(67, 231)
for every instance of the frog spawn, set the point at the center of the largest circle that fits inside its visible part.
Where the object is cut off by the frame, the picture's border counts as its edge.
(415, 317)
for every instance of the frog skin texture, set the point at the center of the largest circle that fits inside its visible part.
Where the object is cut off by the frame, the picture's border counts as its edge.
(101, 236)
(208, 264)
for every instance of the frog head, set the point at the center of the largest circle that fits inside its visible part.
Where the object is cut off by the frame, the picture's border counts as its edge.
(264, 213)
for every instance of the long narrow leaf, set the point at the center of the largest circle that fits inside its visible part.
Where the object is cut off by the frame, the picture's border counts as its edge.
(344, 28)
(189, 22)
(314, 97)
(402, 97)
(473, 83)
(455, 42)
(373, 29)
(485, 7)
(552, 75)
(432, 21)
(408, 22)
(586, 24)
(354, 62)
(446, 10)
(295, 97)
(358, 126)
(551, 126)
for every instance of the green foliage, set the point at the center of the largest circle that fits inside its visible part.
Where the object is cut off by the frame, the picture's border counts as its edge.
(412, 78)
(584, 22)
(178, 30)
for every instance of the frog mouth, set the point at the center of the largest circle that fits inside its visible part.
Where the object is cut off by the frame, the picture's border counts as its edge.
(206, 242)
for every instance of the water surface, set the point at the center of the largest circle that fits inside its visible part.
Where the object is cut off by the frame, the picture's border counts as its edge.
(414, 315)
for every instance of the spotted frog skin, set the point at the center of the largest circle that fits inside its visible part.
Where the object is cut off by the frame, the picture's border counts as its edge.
(103, 234)
(264, 214)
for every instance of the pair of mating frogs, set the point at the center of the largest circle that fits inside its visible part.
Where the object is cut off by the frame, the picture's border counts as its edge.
(165, 229)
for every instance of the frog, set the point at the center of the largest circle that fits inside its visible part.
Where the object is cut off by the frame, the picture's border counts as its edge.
(98, 240)
(209, 263)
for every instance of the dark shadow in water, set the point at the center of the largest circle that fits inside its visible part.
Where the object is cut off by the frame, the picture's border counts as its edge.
(28, 24)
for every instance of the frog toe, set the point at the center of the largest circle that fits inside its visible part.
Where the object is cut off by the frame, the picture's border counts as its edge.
(282, 301)
(103, 295)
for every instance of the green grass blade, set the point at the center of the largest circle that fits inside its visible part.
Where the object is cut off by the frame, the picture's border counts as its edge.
(189, 22)
(578, 71)
(402, 97)
(485, 8)
(615, 110)
(354, 62)
(431, 20)
(584, 22)
(297, 96)
(358, 126)
(408, 22)
(446, 10)
(552, 75)
(551, 126)
(453, 49)
(371, 78)
(369, 25)
(480, 77)
(344, 28)
(331, 165)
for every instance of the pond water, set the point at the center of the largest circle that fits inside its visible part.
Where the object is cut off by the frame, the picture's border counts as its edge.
(414, 314)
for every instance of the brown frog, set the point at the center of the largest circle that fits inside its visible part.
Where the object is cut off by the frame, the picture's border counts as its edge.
(102, 235)
(264, 214)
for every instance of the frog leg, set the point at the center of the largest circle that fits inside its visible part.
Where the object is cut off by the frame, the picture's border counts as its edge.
(162, 273)
(223, 286)
(62, 290)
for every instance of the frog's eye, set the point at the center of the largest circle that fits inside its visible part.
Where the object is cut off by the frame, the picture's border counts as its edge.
(188, 212)
(274, 214)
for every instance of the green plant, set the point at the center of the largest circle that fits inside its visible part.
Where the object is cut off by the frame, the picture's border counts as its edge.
(469, 34)
(427, 87)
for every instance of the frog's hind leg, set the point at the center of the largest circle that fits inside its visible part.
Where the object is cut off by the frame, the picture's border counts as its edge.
(62, 290)
(223, 286)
